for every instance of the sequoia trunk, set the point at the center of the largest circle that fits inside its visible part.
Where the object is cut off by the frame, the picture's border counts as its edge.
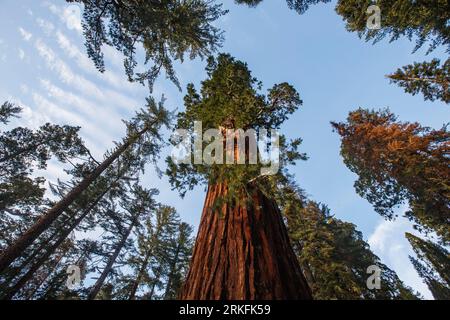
(243, 251)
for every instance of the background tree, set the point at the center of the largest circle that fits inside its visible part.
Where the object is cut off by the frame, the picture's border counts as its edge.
(167, 31)
(424, 21)
(140, 206)
(397, 162)
(143, 139)
(301, 6)
(432, 265)
(153, 243)
(429, 78)
(7, 111)
(242, 249)
(334, 257)
(178, 259)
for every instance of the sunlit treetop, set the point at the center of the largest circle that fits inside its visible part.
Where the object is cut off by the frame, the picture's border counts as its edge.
(231, 97)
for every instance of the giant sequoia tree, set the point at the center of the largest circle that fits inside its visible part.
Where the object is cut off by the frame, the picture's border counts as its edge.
(399, 161)
(242, 249)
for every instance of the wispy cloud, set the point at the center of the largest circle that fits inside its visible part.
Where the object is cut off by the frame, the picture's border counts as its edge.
(389, 243)
(21, 54)
(25, 34)
(46, 25)
(70, 15)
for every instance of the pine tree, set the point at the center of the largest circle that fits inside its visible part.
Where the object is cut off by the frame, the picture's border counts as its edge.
(425, 21)
(143, 139)
(432, 265)
(242, 249)
(438, 289)
(428, 78)
(397, 162)
(301, 6)
(332, 253)
(139, 207)
(178, 258)
(167, 31)
(8, 110)
(22, 151)
(153, 244)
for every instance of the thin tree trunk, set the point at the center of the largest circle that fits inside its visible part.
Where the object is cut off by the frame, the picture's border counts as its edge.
(59, 278)
(112, 259)
(172, 270)
(138, 279)
(142, 269)
(243, 252)
(44, 279)
(27, 276)
(14, 251)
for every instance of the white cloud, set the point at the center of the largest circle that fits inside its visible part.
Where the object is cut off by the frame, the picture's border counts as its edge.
(86, 64)
(70, 15)
(80, 83)
(389, 243)
(24, 88)
(25, 34)
(46, 26)
(21, 54)
(65, 73)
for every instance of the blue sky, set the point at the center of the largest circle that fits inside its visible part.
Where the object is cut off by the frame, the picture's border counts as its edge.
(45, 69)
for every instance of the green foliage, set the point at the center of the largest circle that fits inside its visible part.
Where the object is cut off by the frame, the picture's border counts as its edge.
(178, 258)
(231, 98)
(301, 6)
(432, 265)
(22, 152)
(166, 30)
(429, 78)
(426, 21)
(8, 110)
(397, 162)
(332, 253)
(439, 290)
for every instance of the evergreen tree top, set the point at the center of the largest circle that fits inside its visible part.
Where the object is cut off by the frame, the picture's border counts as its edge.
(231, 97)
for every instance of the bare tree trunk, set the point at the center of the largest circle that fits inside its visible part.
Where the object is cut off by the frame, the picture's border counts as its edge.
(112, 259)
(138, 279)
(172, 270)
(50, 250)
(45, 278)
(243, 252)
(15, 250)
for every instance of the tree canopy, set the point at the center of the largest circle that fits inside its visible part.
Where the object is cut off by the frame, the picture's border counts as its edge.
(397, 162)
(166, 30)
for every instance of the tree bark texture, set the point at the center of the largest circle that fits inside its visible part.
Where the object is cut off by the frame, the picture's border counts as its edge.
(242, 252)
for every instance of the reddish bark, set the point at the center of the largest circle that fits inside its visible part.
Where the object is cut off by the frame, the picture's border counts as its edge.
(243, 252)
